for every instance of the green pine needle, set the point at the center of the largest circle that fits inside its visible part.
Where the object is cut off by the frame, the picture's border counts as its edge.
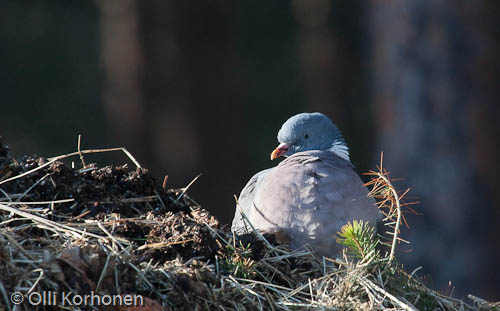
(359, 238)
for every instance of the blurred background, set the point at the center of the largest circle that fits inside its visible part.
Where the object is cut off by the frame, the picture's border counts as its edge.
(204, 86)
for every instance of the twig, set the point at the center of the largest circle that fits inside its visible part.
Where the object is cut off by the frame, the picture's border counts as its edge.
(395, 300)
(164, 184)
(80, 152)
(386, 193)
(39, 202)
(114, 239)
(186, 188)
(37, 280)
(4, 296)
(103, 272)
(398, 220)
(97, 151)
(162, 244)
(54, 159)
(6, 195)
(51, 224)
(28, 172)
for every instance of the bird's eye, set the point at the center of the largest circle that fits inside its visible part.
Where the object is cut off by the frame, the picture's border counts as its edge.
(306, 136)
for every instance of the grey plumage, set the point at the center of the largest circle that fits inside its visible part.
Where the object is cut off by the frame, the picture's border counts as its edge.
(309, 196)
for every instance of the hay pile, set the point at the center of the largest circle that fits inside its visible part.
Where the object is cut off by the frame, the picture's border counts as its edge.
(94, 238)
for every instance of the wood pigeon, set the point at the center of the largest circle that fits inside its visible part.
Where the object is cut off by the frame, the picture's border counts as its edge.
(311, 194)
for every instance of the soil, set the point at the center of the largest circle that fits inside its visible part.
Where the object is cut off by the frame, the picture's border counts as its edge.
(113, 190)
(164, 226)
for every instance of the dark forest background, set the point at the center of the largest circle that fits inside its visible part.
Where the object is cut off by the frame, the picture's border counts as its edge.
(194, 87)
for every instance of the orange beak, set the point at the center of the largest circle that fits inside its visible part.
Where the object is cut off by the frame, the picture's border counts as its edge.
(279, 151)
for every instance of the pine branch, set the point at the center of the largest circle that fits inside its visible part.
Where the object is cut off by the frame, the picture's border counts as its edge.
(389, 202)
(359, 238)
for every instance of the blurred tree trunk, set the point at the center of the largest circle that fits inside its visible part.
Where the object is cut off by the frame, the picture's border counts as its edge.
(192, 85)
(175, 142)
(428, 100)
(122, 63)
(330, 49)
(321, 60)
(210, 62)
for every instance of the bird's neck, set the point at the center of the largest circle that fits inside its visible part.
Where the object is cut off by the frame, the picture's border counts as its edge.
(340, 148)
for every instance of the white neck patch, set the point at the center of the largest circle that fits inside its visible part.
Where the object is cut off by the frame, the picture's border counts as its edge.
(340, 149)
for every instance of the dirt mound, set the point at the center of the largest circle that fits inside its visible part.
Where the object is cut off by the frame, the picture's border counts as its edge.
(91, 229)
(114, 238)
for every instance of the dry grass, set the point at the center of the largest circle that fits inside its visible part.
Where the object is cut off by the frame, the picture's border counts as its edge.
(91, 254)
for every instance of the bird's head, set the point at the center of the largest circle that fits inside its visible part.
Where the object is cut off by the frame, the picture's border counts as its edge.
(309, 131)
